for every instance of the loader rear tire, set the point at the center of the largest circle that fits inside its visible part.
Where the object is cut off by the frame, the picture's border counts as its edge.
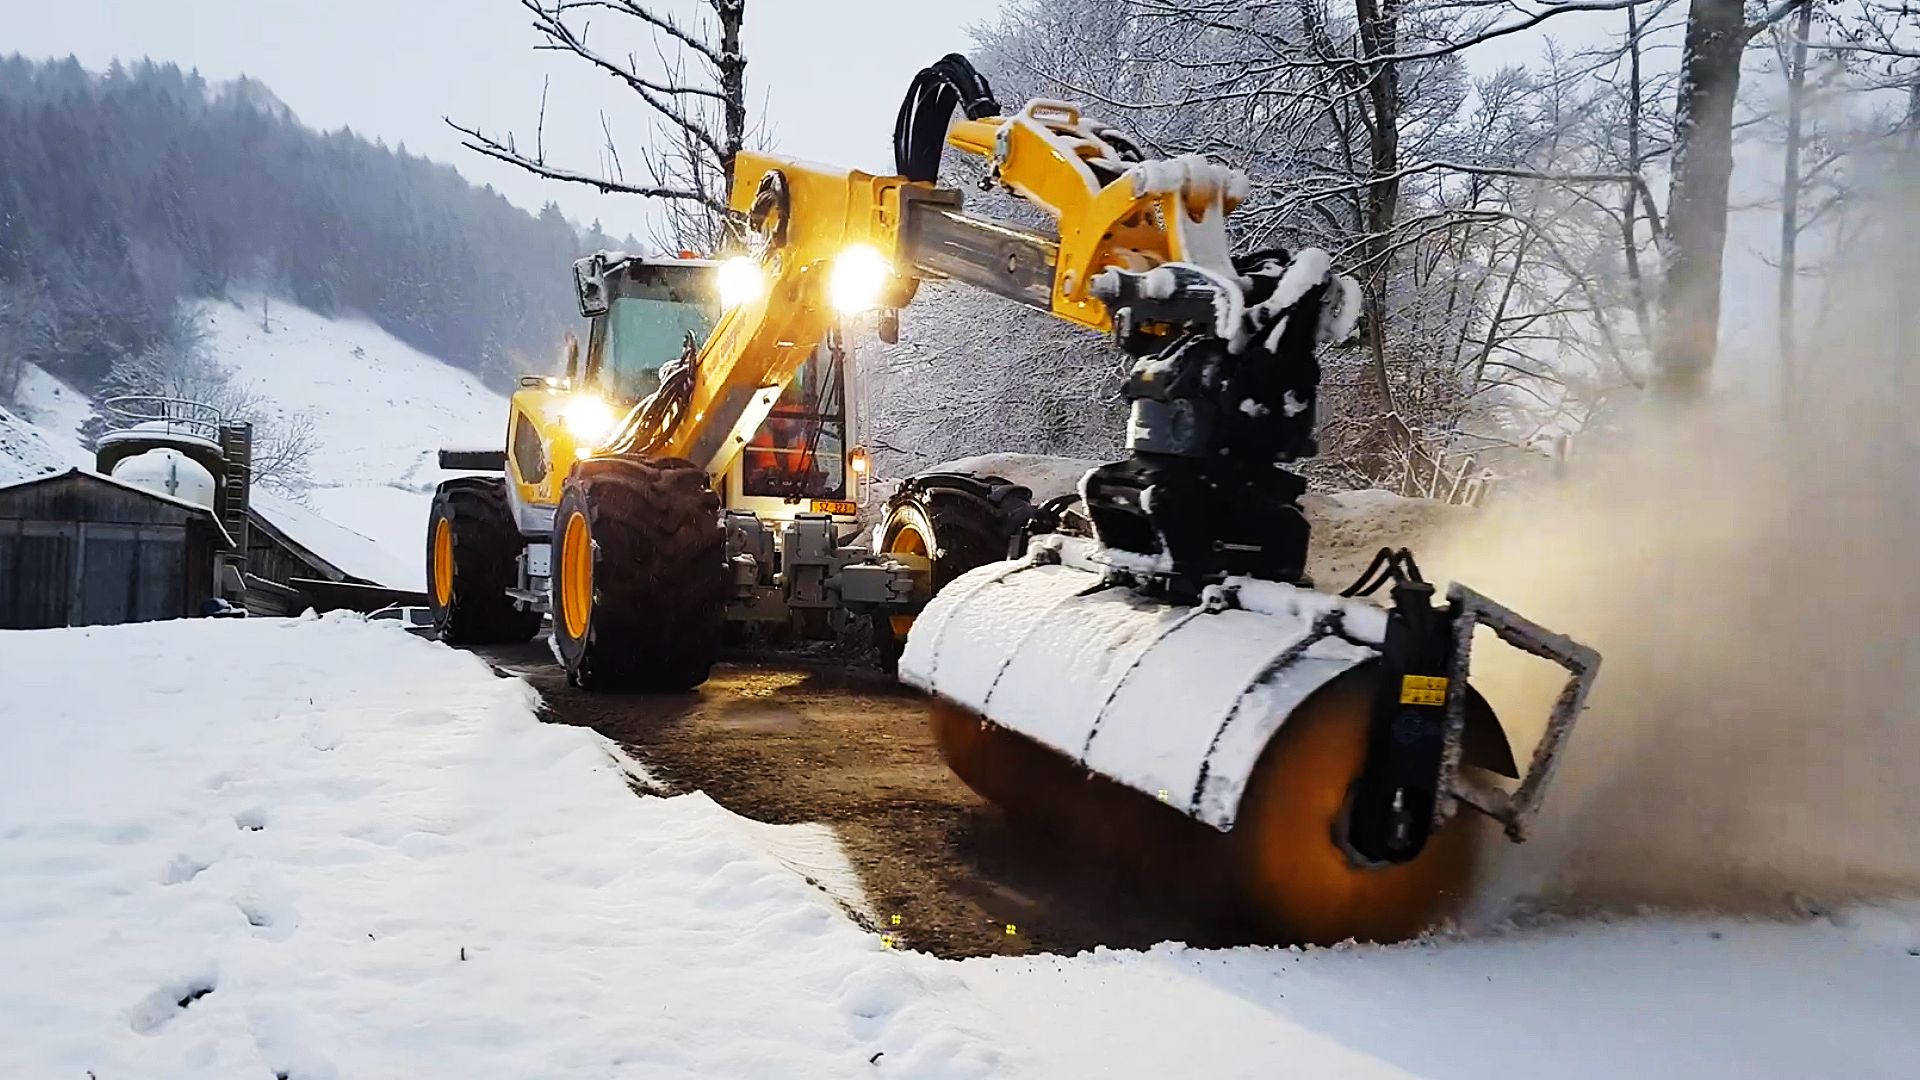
(958, 521)
(639, 585)
(473, 547)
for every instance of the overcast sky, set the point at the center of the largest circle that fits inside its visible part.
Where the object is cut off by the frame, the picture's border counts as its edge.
(830, 72)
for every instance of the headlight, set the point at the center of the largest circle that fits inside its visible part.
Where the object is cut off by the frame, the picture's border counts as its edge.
(741, 280)
(859, 275)
(588, 419)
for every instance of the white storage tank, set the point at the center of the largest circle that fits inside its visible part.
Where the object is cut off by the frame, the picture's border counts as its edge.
(168, 472)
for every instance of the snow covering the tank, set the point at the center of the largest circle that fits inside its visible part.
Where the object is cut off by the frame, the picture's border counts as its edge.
(188, 504)
(170, 472)
(1176, 702)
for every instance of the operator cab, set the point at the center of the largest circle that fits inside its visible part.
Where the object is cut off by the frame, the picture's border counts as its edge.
(653, 308)
(796, 461)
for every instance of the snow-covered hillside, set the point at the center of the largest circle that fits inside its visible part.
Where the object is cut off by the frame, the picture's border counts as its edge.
(382, 409)
(43, 434)
(366, 856)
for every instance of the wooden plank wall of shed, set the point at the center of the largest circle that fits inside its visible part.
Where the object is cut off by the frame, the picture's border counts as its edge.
(79, 552)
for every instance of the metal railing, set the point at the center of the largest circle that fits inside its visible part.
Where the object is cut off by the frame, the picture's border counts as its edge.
(168, 415)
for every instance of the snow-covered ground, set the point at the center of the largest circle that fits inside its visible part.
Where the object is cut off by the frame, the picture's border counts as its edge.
(322, 848)
(382, 412)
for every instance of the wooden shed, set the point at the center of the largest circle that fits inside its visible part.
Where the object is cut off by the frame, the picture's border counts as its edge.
(82, 549)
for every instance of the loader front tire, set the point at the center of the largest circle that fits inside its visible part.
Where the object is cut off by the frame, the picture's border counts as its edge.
(959, 522)
(473, 548)
(639, 585)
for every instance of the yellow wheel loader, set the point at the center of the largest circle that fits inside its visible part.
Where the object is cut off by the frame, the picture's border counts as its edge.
(1143, 666)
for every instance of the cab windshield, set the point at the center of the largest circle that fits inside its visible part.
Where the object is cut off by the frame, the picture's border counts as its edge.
(800, 450)
(654, 309)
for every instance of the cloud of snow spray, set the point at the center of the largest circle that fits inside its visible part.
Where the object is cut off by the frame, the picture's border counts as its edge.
(1752, 580)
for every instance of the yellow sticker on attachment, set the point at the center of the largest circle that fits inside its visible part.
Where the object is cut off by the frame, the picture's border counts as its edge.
(1423, 690)
(834, 506)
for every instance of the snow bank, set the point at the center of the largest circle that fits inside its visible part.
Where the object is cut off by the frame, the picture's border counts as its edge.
(1350, 526)
(359, 854)
(25, 450)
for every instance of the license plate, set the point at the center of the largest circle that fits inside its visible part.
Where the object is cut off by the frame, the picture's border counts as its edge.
(1423, 690)
(835, 506)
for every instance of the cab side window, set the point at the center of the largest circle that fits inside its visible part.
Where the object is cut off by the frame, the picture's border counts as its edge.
(529, 455)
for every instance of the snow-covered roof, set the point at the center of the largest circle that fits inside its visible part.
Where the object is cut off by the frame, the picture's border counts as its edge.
(184, 504)
(347, 551)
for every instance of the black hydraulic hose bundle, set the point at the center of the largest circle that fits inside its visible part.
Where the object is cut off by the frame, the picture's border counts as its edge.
(920, 131)
(1387, 565)
(653, 421)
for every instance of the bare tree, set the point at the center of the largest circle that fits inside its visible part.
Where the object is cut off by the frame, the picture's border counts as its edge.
(1794, 61)
(283, 443)
(1465, 205)
(694, 92)
(1717, 35)
(282, 450)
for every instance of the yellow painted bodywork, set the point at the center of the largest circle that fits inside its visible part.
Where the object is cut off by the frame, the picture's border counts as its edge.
(1040, 156)
(766, 341)
(1038, 152)
(541, 406)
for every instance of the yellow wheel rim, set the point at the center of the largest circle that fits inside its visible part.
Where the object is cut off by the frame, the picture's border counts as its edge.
(576, 575)
(907, 541)
(443, 562)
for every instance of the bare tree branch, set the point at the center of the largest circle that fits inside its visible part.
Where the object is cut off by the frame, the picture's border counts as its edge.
(485, 144)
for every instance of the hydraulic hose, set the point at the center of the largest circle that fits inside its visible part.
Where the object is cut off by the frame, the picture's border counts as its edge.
(920, 131)
(652, 422)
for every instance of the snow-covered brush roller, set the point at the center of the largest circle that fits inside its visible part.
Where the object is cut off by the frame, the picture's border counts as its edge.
(1151, 656)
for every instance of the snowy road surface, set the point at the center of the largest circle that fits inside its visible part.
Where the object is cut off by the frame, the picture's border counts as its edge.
(326, 849)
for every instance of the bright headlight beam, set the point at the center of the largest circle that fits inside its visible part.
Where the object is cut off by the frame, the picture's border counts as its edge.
(740, 280)
(588, 419)
(858, 277)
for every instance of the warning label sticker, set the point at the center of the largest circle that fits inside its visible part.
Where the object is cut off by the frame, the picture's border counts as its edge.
(1423, 690)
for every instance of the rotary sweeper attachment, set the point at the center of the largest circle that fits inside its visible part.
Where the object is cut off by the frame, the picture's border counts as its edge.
(1153, 678)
